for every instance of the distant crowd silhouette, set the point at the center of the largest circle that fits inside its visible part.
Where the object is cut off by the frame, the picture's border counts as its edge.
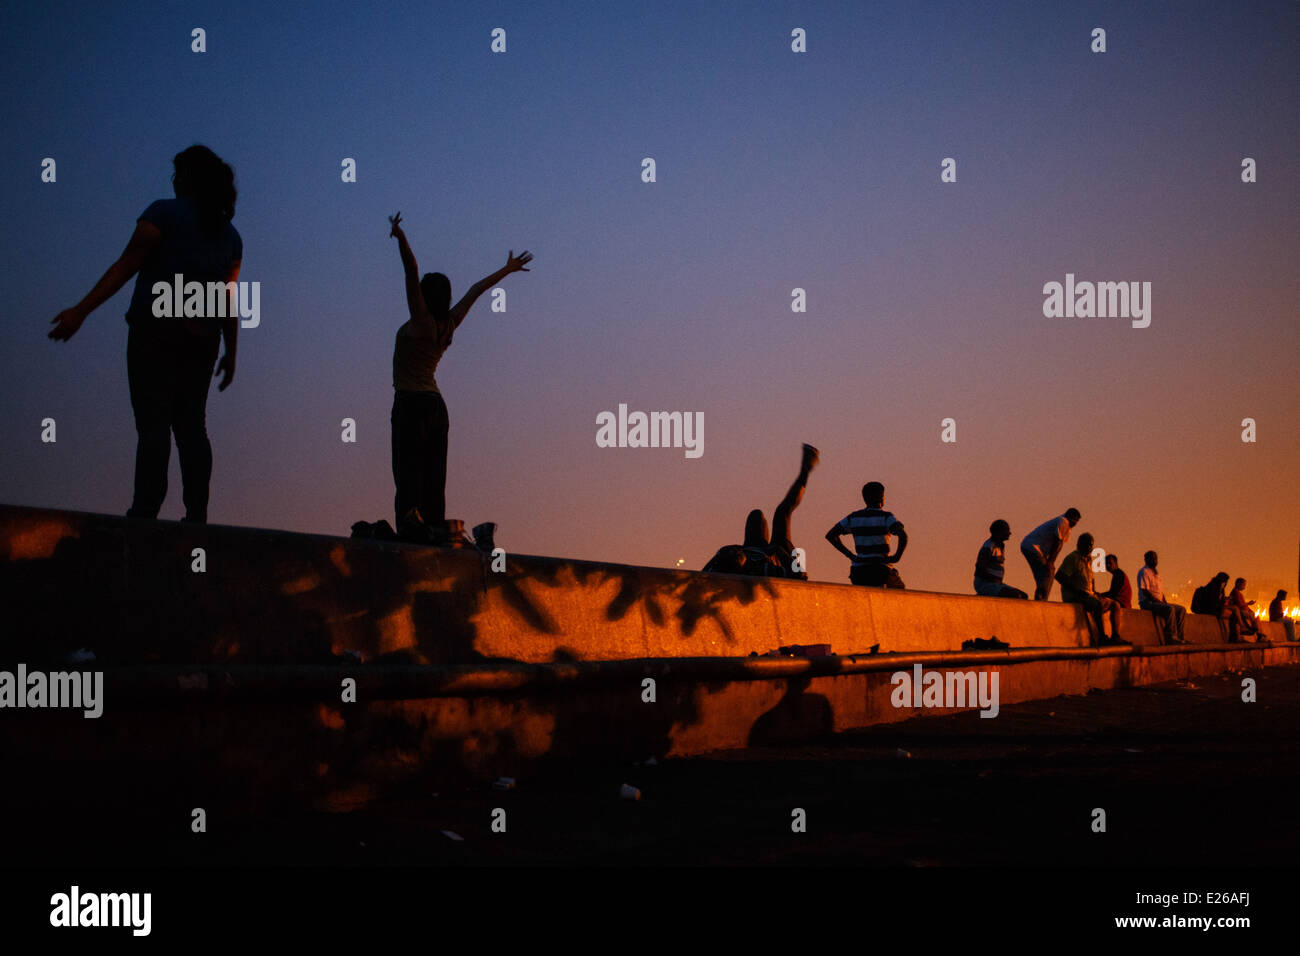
(872, 565)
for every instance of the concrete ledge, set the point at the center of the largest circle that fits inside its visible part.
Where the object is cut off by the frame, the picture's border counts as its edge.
(377, 681)
(227, 683)
(125, 589)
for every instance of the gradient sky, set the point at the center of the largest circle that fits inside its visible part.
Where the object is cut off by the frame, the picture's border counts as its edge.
(775, 170)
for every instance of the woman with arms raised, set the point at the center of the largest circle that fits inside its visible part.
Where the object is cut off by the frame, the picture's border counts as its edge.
(419, 412)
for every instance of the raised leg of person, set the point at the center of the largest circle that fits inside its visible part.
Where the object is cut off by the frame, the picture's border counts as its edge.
(781, 516)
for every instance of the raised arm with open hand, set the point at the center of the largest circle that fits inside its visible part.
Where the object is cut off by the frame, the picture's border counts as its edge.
(414, 297)
(142, 244)
(514, 263)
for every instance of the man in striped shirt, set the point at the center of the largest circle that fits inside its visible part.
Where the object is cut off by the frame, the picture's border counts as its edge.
(990, 564)
(871, 528)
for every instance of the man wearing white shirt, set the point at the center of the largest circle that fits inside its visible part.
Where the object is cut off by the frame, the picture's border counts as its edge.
(1041, 547)
(1151, 597)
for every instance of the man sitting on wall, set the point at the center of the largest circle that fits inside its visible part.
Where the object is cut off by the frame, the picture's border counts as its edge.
(1075, 577)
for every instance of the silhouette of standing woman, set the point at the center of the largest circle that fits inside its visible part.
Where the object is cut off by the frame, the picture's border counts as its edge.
(169, 361)
(419, 412)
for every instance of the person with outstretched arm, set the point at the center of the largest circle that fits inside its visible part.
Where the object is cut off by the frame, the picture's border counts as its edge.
(169, 360)
(419, 417)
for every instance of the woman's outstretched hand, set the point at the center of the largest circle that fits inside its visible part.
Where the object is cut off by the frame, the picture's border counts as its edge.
(395, 221)
(517, 263)
(66, 324)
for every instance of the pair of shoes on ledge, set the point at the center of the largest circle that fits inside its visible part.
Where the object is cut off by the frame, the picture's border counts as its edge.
(798, 650)
(414, 529)
(984, 644)
(448, 533)
(381, 530)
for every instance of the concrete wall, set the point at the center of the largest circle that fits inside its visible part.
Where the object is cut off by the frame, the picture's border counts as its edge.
(279, 602)
(126, 590)
(268, 752)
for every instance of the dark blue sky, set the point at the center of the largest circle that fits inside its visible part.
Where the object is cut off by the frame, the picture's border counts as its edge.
(775, 171)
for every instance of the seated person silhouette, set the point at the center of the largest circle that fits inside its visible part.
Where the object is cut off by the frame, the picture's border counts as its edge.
(872, 527)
